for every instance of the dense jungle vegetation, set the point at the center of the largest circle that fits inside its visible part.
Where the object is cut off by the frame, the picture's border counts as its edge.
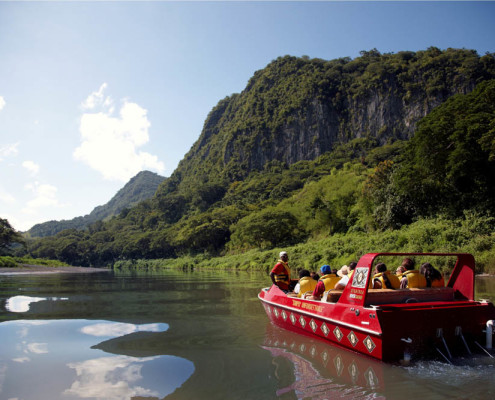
(418, 183)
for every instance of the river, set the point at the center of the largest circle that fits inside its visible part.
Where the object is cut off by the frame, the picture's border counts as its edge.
(192, 335)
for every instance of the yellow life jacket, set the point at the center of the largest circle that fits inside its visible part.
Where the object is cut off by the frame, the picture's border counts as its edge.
(415, 279)
(283, 277)
(330, 280)
(393, 279)
(306, 284)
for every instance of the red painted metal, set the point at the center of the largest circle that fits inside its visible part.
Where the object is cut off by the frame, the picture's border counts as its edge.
(387, 331)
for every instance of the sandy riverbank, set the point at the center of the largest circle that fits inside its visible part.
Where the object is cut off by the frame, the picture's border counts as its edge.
(43, 269)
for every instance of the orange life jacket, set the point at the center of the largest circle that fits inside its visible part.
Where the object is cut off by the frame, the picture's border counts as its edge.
(283, 277)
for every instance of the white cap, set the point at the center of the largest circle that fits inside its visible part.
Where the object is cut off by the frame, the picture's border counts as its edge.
(282, 253)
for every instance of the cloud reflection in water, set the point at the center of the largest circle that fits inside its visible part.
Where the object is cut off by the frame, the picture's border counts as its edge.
(21, 304)
(59, 360)
(114, 329)
(111, 378)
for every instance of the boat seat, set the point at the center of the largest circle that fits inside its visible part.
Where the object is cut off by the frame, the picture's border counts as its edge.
(391, 296)
(413, 295)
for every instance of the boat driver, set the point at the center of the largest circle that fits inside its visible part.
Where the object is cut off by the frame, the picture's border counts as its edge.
(280, 274)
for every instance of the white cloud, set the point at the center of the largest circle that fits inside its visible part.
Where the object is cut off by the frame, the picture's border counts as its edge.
(110, 144)
(32, 167)
(21, 359)
(37, 348)
(8, 150)
(2, 103)
(45, 196)
(97, 98)
(5, 197)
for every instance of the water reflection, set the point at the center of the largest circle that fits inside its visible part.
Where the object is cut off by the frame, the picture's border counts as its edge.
(114, 329)
(109, 378)
(21, 304)
(323, 371)
(57, 359)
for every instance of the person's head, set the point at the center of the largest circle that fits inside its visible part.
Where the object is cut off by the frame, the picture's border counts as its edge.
(283, 256)
(344, 270)
(315, 276)
(325, 269)
(303, 273)
(408, 264)
(400, 270)
(380, 267)
(352, 266)
(425, 268)
(429, 271)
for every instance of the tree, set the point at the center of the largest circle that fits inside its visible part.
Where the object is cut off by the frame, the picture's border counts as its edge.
(267, 229)
(8, 236)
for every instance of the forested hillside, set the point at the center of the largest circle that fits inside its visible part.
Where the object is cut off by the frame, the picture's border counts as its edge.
(141, 187)
(314, 149)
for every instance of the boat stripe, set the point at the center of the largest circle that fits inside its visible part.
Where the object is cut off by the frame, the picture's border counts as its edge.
(333, 321)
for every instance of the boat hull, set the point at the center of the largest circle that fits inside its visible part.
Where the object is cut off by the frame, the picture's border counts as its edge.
(386, 332)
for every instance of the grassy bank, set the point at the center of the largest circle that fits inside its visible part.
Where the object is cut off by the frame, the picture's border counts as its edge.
(471, 234)
(13, 262)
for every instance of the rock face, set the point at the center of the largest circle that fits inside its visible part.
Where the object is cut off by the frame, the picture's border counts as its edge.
(297, 109)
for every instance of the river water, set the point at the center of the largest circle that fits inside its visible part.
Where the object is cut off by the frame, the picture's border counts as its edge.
(192, 335)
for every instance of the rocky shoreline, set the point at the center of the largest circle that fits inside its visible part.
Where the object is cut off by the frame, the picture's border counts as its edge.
(43, 269)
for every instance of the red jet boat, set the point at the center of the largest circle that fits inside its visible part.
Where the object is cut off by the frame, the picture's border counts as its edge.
(389, 324)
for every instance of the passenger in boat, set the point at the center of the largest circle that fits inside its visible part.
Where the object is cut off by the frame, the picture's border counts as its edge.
(315, 276)
(400, 270)
(341, 284)
(411, 278)
(384, 279)
(326, 282)
(280, 274)
(432, 275)
(306, 283)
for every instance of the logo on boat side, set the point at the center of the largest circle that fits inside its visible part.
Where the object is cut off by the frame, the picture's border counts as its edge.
(353, 338)
(370, 345)
(359, 278)
(325, 329)
(338, 333)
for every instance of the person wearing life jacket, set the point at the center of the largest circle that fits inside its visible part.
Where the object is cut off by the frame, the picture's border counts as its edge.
(329, 277)
(280, 274)
(411, 278)
(432, 275)
(345, 274)
(306, 283)
(383, 279)
(324, 283)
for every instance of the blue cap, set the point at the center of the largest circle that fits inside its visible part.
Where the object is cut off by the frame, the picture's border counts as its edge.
(326, 269)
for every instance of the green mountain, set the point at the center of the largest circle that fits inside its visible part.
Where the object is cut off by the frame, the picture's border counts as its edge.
(312, 148)
(141, 187)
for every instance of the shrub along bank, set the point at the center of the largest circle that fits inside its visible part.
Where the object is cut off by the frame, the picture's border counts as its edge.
(471, 234)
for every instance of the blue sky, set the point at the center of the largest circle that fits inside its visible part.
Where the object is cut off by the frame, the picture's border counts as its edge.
(93, 92)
